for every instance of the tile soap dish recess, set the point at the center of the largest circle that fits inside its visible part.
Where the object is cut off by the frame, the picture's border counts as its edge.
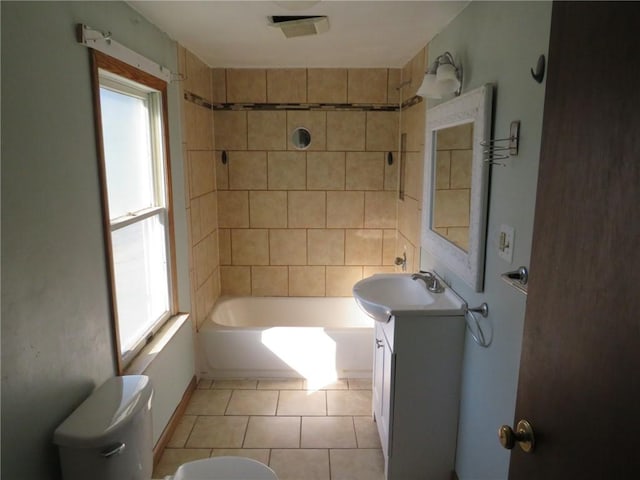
(518, 279)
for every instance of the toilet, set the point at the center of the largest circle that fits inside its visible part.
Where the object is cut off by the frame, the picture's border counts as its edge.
(108, 437)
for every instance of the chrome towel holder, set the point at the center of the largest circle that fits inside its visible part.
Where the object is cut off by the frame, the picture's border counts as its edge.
(476, 331)
(502, 148)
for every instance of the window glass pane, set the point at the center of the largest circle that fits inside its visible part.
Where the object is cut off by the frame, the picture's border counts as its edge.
(142, 286)
(127, 150)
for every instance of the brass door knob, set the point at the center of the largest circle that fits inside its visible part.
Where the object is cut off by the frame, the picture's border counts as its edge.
(523, 436)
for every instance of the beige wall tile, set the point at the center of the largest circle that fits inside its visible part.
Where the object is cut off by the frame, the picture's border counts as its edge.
(306, 281)
(250, 247)
(414, 72)
(286, 170)
(268, 209)
(346, 131)
(224, 244)
(246, 85)
(205, 257)
(459, 236)
(307, 209)
(363, 247)
(325, 246)
(267, 130)
(201, 264)
(340, 280)
(325, 170)
(201, 172)
(198, 76)
(391, 173)
(461, 168)
(443, 169)
(247, 170)
(409, 219)
(270, 281)
(222, 171)
(413, 258)
(382, 131)
(389, 239)
(367, 85)
(199, 126)
(315, 122)
(380, 210)
(218, 85)
(204, 303)
(233, 209)
(208, 213)
(451, 208)
(394, 79)
(405, 75)
(216, 286)
(194, 221)
(286, 85)
(369, 271)
(413, 124)
(365, 171)
(455, 138)
(230, 130)
(288, 247)
(235, 280)
(345, 209)
(414, 175)
(327, 85)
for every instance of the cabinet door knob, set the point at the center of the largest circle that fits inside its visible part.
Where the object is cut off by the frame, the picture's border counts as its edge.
(379, 343)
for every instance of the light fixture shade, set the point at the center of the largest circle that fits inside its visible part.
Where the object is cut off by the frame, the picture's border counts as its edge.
(429, 87)
(447, 79)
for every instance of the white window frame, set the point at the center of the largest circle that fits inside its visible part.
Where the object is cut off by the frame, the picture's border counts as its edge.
(125, 79)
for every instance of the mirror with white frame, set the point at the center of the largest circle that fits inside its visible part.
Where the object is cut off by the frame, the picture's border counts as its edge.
(456, 184)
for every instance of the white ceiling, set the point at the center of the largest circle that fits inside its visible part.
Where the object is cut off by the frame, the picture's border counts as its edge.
(361, 34)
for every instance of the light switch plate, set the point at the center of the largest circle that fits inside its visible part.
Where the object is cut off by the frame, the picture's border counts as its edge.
(505, 243)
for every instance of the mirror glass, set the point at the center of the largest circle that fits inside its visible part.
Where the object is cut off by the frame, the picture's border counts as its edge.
(456, 184)
(301, 138)
(452, 184)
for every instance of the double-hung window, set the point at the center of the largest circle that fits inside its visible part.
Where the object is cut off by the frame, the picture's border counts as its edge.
(136, 196)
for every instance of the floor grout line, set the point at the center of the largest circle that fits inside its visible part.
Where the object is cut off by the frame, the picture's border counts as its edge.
(267, 452)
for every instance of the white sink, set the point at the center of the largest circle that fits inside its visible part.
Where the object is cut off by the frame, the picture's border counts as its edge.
(390, 294)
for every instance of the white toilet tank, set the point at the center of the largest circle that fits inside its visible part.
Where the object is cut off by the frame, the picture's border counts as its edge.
(108, 437)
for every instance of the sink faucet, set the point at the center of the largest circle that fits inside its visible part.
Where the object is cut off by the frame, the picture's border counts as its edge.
(430, 280)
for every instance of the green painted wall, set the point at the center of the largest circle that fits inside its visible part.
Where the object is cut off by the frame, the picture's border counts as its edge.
(498, 42)
(56, 334)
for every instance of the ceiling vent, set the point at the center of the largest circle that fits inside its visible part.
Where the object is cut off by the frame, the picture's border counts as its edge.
(299, 25)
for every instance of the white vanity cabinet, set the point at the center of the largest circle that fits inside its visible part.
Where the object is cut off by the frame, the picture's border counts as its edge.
(416, 391)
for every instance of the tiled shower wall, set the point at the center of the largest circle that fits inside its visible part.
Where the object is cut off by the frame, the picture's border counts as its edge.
(453, 183)
(278, 221)
(412, 124)
(313, 222)
(200, 188)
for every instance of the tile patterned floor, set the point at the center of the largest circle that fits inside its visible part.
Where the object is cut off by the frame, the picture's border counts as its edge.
(302, 435)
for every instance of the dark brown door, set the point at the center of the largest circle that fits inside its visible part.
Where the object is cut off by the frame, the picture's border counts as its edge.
(579, 380)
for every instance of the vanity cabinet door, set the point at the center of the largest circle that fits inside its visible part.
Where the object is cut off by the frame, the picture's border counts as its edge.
(382, 385)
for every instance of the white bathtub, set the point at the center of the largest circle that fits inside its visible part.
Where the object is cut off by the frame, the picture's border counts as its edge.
(317, 338)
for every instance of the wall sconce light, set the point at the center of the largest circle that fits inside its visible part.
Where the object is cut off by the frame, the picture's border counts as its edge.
(442, 77)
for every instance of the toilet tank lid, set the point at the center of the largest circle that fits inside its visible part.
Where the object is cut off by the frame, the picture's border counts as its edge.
(101, 418)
